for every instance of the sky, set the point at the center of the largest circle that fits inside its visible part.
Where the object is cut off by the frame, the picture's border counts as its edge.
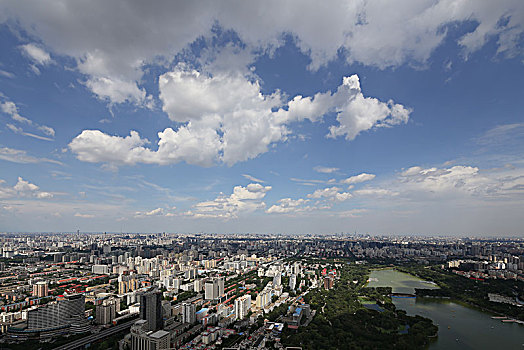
(380, 117)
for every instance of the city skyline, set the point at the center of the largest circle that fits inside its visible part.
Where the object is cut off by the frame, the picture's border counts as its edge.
(399, 118)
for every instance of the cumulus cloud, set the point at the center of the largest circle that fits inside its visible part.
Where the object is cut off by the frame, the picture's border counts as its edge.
(155, 212)
(288, 205)
(360, 113)
(22, 189)
(242, 200)
(186, 144)
(320, 199)
(355, 113)
(229, 104)
(227, 119)
(358, 178)
(332, 193)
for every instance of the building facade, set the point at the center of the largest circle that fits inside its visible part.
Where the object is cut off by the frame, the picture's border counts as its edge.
(151, 310)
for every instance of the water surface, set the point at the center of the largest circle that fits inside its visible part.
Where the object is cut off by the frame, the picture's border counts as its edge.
(460, 327)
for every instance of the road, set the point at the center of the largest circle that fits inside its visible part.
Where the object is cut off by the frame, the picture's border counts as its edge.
(80, 343)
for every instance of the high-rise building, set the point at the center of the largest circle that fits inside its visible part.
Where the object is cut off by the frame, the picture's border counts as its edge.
(40, 289)
(197, 285)
(143, 339)
(127, 283)
(151, 310)
(191, 273)
(210, 291)
(263, 298)
(100, 269)
(242, 306)
(220, 281)
(295, 268)
(214, 289)
(292, 281)
(106, 311)
(67, 312)
(188, 313)
(277, 280)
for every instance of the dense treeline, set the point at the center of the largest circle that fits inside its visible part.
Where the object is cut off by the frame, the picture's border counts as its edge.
(342, 322)
(469, 291)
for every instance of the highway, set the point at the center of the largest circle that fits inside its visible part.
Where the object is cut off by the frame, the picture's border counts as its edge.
(80, 343)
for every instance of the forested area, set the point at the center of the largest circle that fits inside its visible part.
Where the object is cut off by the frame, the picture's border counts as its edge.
(342, 322)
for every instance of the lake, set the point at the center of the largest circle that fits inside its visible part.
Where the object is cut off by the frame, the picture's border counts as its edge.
(460, 327)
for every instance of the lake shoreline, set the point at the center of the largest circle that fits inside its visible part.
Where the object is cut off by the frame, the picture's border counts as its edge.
(460, 324)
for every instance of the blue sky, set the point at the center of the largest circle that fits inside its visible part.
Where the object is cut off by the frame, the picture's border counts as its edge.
(397, 117)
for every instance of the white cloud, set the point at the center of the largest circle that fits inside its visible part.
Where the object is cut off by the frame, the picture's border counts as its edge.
(308, 181)
(44, 195)
(324, 199)
(36, 53)
(252, 178)
(193, 147)
(6, 74)
(251, 191)
(355, 113)
(20, 131)
(332, 193)
(20, 156)
(113, 41)
(242, 200)
(461, 180)
(95, 146)
(117, 91)
(154, 212)
(47, 130)
(361, 113)
(325, 170)
(358, 178)
(442, 180)
(84, 216)
(229, 104)
(157, 211)
(288, 205)
(380, 192)
(11, 109)
(22, 189)
(25, 186)
(226, 119)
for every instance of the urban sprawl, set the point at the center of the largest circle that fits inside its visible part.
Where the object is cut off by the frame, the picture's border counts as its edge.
(200, 291)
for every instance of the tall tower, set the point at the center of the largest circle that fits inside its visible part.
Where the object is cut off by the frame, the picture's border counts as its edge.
(220, 281)
(151, 310)
(188, 313)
